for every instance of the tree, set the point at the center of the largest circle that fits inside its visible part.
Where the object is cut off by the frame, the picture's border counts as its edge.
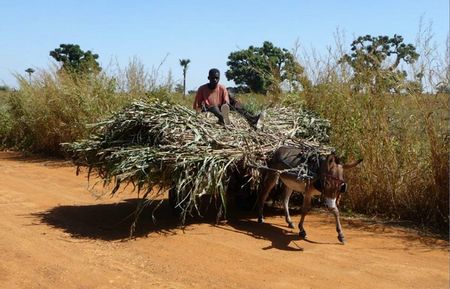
(29, 71)
(375, 62)
(263, 69)
(184, 63)
(443, 87)
(75, 60)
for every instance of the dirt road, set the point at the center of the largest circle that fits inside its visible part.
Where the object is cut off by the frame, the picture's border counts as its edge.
(55, 234)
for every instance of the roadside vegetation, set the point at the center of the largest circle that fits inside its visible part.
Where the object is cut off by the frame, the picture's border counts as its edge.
(387, 101)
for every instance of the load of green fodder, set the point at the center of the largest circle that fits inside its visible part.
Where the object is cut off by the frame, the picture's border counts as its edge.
(160, 146)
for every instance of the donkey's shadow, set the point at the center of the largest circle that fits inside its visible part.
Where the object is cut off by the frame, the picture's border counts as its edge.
(280, 239)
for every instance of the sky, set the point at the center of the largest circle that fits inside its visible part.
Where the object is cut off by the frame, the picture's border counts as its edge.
(160, 32)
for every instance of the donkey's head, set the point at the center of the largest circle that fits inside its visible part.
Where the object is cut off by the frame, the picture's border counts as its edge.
(331, 177)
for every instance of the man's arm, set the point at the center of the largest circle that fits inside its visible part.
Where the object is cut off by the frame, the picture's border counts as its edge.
(198, 101)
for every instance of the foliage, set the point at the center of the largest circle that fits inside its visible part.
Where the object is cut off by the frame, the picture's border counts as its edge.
(370, 62)
(265, 68)
(443, 87)
(4, 88)
(75, 60)
(29, 70)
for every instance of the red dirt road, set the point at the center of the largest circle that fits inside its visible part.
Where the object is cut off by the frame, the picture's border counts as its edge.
(55, 234)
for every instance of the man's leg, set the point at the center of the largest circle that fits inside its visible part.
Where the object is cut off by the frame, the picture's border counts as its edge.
(225, 110)
(254, 120)
(222, 114)
(216, 111)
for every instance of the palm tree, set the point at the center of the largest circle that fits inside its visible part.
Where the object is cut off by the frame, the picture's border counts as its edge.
(184, 63)
(29, 71)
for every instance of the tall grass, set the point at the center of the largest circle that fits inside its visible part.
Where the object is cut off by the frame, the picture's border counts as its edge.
(56, 106)
(404, 143)
(403, 139)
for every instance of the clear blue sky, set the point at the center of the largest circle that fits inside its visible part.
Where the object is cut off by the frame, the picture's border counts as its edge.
(203, 31)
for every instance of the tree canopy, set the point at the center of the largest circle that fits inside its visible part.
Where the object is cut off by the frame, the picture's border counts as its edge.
(29, 70)
(75, 60)
(375, 62)
(266, 68)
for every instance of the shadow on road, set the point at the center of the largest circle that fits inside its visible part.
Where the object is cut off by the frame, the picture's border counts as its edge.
(280, 239)
(113, 221)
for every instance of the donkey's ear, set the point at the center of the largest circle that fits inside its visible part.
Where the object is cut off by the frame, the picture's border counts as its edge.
(352, 164)
(339, 159)
(331, 161)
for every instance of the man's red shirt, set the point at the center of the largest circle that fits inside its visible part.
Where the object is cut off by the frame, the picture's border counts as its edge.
(211, 97)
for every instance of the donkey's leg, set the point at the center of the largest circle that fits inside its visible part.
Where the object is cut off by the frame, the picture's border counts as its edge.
(269, 182)
(286, 196)
(331, 204)
(305, 209)
(341, 237)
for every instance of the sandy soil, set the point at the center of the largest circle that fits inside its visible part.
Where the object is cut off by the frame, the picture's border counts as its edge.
(55, 234)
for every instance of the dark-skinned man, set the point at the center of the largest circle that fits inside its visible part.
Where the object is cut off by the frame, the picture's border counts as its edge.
(213, 97)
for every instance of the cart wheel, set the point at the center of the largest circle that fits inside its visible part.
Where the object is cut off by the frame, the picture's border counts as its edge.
(172, 197)
(176, 210)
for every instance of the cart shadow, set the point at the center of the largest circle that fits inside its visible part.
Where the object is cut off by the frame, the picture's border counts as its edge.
(111, 222)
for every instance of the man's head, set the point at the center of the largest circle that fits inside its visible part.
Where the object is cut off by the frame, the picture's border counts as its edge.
(214, 77)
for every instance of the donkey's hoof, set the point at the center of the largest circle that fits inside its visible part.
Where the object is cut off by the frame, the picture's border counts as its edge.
(291, 225)
(302, 235)
(341, 239)
(260, 220)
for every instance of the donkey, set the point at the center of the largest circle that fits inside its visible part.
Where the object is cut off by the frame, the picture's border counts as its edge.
(329, 183)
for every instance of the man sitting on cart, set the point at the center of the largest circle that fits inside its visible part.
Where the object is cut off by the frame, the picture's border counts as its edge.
(214, 97)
